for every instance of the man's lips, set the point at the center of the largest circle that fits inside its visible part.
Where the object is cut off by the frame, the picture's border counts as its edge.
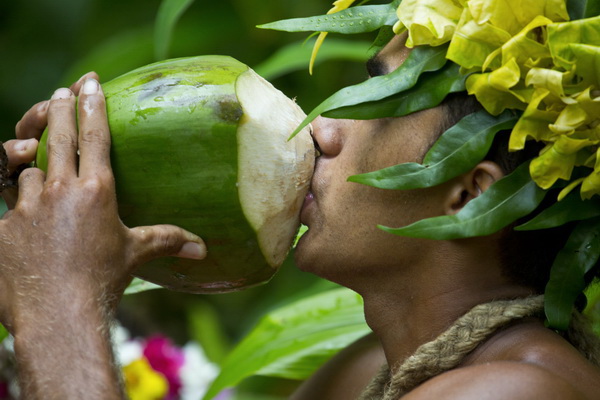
(309, 199)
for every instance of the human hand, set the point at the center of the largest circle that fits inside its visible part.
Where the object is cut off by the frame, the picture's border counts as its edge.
(63, 246)
(29, 129)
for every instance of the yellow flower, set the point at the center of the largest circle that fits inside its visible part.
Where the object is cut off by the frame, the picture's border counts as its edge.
(430, 22)
(143, 383)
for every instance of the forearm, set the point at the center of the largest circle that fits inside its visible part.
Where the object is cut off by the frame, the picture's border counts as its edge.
(66, 354)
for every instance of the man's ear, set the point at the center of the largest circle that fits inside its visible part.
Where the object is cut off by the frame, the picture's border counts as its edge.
(471, 184)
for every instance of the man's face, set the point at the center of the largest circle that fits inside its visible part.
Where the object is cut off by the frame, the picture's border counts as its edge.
(343, 239)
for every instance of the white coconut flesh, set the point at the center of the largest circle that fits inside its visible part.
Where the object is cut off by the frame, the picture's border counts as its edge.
(274, 173)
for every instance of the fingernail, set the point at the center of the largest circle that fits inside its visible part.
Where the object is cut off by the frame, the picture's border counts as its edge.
(62, 93)
(43, 106)
(192, 250)
(90, 86)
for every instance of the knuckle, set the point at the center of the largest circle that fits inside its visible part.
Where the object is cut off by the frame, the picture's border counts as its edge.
(94, 186)
(95, 136)
(60, 140)
(159, 240)
(54, 186)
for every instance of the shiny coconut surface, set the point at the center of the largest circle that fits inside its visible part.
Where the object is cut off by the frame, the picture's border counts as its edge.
(174, 128)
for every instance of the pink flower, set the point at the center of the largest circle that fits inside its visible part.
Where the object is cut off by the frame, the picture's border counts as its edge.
(167, 359)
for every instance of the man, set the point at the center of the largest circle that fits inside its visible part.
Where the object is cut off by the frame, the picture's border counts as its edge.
(59, 306)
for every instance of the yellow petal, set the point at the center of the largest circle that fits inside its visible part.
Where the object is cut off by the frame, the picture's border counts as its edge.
(496, 90)
(557, 162)
(563, 193)
(533, 123)
(513, 15)
(429, 22)
(591, 184)
(143, 383)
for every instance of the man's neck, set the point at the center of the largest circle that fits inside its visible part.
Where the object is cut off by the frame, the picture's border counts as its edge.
(416, 305)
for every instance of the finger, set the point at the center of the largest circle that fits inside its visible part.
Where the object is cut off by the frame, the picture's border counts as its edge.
(31, 184)
(20, 152)
(150, 242)
(62, 135)
(77, 85)
(34, 121)
(94, 135)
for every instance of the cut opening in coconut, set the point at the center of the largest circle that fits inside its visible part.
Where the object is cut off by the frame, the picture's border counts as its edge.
(274, 173)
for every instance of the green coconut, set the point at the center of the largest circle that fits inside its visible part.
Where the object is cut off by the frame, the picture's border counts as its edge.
(202, 143)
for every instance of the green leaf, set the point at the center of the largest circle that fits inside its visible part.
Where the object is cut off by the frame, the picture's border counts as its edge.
(566, 282)
(571, 208)
(294, 57)
(292, 342)
(3, 333)
(431, 89)
(421, 59)
(169, 13)
(579, 9)
(138, 285)
(359, 19)
(385, 34)
(205, 328)
(458, 150)
(507, 200)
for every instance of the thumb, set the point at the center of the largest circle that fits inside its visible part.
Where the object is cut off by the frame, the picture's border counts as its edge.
(150, 242)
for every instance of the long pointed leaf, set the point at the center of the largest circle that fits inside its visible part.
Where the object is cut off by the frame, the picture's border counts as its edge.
(168, 14)
(507, 200)
(431, 89)
(571, 208)
(421, 59)
(458, 149)
(294, 341)
(566, 282)
(352, 20)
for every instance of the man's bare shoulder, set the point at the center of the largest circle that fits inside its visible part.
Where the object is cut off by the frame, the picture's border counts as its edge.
(500, 380)
(526, 361)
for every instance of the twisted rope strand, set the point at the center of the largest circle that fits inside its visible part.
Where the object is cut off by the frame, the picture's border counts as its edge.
(449, 349)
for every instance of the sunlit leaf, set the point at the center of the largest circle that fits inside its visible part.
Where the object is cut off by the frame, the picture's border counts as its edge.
(169, 13)
(292, 342)
(431, 89)
(294, 56)
(138, 285)
(353, 20)
(455, 152)
(507, 200)
(571, 208)
(421, 59)
(566, 282)
(3, 333)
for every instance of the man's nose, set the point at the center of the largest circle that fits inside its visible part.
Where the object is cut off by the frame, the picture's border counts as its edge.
(328, 135)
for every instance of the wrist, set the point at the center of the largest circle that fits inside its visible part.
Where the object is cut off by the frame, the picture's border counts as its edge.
(49, 342)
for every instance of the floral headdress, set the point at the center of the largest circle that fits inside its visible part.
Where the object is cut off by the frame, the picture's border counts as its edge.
(534, 66)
